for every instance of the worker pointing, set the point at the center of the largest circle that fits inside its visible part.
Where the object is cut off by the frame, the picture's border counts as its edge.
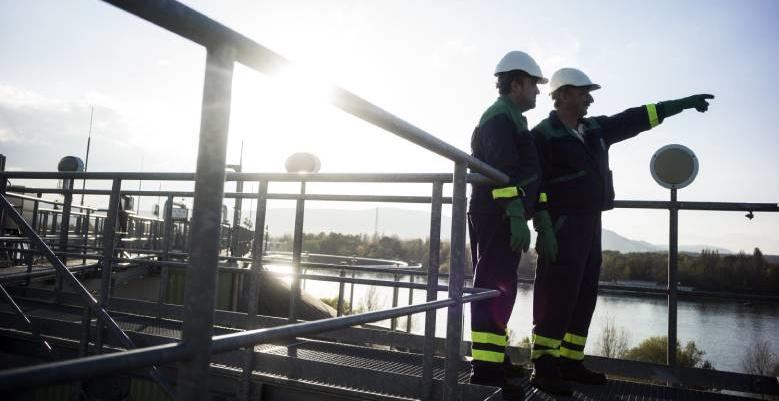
(574, 156)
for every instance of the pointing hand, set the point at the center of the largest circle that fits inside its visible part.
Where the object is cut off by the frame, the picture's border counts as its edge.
(698, 102)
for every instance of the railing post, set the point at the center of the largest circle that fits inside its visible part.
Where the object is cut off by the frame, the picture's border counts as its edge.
(395, 293)
(234, 237)
(245, 389)
(351, 294)
(35, 225)
(456, 276)
(297, 249)
(109, 233)
(67, 185)
(673, 243)
(3, 184)
(432, 291)
(410, 302)
(44, 227)
(167, 237)
(85, 232)
(340, 305)
(200, 284)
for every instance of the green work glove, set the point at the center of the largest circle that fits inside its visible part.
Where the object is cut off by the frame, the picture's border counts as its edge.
(520, 234)
(697, 102)
(546, 243)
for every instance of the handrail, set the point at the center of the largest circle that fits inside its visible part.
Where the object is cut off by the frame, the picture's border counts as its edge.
(192, 25)
(64, 371)
(232, 176)
(42, 200)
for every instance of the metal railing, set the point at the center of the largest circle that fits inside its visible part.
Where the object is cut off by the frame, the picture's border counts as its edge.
(436, 201)
(122, 361)
(224, 48)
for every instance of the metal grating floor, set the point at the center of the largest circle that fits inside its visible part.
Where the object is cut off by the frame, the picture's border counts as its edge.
(400, 363)
(386, 361)
(368, 370)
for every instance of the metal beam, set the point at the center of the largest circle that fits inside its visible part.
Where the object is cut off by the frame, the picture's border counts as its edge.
(200, 284)
(454, 319)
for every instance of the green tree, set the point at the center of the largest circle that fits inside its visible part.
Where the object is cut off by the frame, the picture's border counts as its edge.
(654, 349)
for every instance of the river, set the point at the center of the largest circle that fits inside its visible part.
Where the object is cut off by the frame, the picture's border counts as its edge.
(725, 330)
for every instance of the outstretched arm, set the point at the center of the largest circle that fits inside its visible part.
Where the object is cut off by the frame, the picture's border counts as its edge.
(632, 121)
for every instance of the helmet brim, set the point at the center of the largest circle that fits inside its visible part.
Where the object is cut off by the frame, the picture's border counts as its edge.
(541, 80)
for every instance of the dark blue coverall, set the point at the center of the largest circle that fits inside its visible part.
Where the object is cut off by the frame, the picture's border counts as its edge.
(503, 141)
(578, 183)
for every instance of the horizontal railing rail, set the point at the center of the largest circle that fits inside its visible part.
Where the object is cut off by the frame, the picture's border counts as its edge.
(190, 24)
(225, 48)
(91, 366)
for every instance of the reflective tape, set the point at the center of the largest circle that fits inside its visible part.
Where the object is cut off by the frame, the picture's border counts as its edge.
(488, 338)
(571, 354)
(542, 197)
(535, 354)
(545, 341)
(651, 110)
(487, 356)
(574, 339)
(507, 192)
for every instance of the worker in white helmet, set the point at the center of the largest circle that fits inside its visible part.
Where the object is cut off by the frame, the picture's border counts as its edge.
(498, 214)
(575, 161)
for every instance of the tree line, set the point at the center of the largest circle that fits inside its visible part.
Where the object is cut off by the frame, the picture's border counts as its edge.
(364, 246)
(708, 270)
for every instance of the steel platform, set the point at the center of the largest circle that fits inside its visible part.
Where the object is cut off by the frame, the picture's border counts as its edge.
(302, 369)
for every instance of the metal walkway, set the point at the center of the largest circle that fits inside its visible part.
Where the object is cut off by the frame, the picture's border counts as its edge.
(309, 368)
(205, 344)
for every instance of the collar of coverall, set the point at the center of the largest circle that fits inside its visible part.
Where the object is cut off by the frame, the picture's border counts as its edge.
(554, 119)
(506, 99)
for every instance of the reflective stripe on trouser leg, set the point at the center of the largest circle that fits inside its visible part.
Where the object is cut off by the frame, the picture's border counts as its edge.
(496, 268)
(557, 306)
(579, 323)
(488, 347)
(572, 347)
(544, 346)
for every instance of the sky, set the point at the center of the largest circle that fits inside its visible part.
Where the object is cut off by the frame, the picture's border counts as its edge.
(430, 63)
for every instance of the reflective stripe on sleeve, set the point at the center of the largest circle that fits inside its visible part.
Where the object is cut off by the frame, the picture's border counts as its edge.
(487, 356)
(507, 192)
(574, 339)
(488, 338)
(651, 110)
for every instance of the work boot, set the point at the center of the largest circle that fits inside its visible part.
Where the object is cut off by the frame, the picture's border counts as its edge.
(511, 389)
(546, 377)
(577, 372)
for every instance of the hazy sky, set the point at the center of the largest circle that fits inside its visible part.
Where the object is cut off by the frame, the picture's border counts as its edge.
(429, 63)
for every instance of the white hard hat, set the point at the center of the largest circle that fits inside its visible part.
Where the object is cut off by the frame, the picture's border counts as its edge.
(570, 76)
(517, 60)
